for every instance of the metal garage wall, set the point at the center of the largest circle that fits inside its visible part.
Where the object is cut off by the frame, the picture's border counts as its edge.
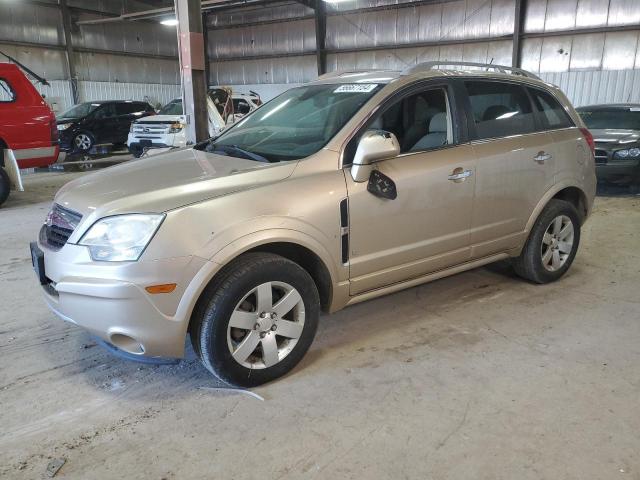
(113, 75)
(592, 87)
(152, 92)
(458, 20)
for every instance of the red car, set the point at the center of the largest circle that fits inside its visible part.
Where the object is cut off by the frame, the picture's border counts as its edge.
(28, 132)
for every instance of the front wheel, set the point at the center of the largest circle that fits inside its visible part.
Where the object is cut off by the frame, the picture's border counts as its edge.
(83, 142)
(260, 317)
(552, 244)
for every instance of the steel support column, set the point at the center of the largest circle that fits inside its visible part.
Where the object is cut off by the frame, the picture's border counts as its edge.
(321, 36)
(68, 44)
(205, 38)
(518, 27)
(192, 68)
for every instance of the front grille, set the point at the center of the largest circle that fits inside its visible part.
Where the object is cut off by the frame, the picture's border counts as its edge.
(601, 156)
(60, 224)
(151, 128)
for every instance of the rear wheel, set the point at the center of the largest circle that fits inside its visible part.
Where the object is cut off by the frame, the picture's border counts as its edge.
(259, 320)
(552, 244)
(5, 185)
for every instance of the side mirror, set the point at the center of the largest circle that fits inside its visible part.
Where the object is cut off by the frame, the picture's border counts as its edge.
(375, 145)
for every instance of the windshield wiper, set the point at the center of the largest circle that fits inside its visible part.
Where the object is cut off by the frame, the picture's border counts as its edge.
(228, 149)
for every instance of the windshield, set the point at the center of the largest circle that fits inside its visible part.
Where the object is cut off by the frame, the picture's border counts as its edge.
(295, 124)
(174, 107)
(80, 110)
(614, 118)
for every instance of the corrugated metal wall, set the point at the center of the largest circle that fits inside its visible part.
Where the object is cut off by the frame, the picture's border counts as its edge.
(109, 75)
(590, 66)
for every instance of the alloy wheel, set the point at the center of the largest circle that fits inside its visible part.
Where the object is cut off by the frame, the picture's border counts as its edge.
(557, 243)
(266, 325)
(82, 141)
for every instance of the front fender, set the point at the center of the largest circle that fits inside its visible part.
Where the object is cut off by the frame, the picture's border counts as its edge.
(250, 241)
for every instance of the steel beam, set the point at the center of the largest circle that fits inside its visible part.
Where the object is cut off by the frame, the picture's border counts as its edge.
(518, 28)
(71, 66)
(321, 36)
(205, 39)
(192, 69)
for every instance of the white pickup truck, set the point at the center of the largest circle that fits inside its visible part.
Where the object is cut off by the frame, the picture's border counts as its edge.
(166, 130)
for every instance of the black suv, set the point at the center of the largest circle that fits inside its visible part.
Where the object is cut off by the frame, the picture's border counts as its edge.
(91, 123)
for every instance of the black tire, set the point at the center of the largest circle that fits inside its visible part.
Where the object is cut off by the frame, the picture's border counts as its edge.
(211, 320)
(5, 185)
(77, 148)
(529, 265)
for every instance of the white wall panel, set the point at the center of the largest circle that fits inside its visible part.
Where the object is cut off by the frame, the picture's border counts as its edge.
(152, 92)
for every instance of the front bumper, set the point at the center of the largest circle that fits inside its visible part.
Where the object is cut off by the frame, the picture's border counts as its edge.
(110, 301)
(619, 172)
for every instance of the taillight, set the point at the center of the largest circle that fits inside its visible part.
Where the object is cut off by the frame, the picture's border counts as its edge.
(54, 130)
(589, 138)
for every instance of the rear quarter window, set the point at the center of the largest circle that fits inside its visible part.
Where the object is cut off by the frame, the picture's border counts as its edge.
(500, 109)
(7, 94)
(552, 114)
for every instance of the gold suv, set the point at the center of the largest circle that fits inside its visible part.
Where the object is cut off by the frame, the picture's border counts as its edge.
(353, 186)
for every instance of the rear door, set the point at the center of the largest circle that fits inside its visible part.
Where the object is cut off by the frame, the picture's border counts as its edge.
(567, 139)
(104, 125)
(515, 163)
(126, 113)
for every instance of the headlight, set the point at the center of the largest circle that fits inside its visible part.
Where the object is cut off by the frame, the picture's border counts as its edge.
(632, 152)
(131, 127)
(63, 126)
(176, 127)
(121, 238)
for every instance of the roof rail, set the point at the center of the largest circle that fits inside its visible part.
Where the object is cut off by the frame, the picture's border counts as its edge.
(425, 66)
(354, 72)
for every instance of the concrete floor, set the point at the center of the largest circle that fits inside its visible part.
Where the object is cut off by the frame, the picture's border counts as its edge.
(478, 376)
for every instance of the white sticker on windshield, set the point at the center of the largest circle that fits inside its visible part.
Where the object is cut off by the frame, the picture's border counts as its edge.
(356, 88)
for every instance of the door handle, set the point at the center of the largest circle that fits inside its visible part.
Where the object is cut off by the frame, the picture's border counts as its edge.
(542, 157)
(460, 175)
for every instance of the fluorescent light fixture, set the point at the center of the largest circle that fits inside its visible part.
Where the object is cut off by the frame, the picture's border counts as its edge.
(506, 115)
(170, 22)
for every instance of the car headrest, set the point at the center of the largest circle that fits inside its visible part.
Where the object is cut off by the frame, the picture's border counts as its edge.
(438, 123)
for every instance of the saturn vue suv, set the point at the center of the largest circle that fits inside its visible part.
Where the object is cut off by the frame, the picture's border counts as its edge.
(353, 186)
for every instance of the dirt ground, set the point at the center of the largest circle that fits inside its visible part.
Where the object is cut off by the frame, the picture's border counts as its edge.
(477, 376)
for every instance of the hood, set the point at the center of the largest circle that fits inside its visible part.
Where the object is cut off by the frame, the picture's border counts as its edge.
(162, 119)
(615, 136)
(165, 182)
(63, 121)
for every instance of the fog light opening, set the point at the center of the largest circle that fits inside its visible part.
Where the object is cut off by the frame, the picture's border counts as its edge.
(127, 343)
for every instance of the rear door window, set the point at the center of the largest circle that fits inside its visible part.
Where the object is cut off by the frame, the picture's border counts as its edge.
(552, 114)
(500, 109)
(6, 92)
(128, 108)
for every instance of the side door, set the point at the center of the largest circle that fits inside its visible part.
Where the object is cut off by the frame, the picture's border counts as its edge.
(515, 166)
(104, 124)
(427, 226)
(567, 139)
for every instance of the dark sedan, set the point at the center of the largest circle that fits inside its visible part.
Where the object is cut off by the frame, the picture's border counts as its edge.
(92, 123)
(616, 131)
